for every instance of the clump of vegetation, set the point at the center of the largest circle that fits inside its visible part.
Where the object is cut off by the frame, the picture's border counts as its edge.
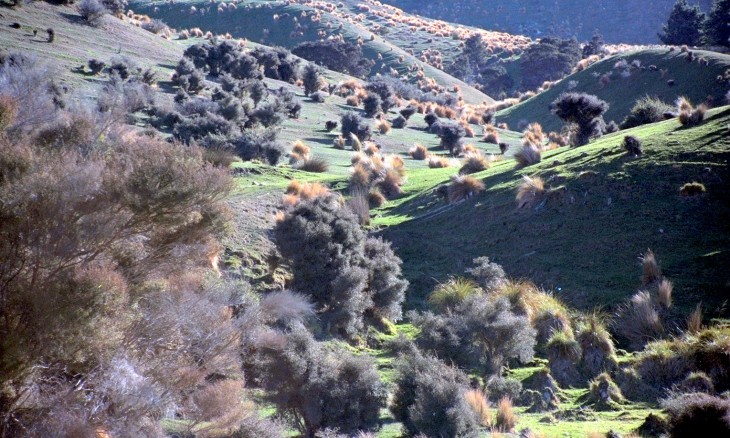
(341, 56)
(462, 186)
(527, 156)
(312, 79)
(430, 398)
(684, 25)
(689, 413)
(563, 353)
(477, 400)
(353, 125)
(313, 164)
(418, 152)
(455, 291)
(647, 110)
(585, 111)
(603, 393)
(692, 189)
(530, 191)
(474, 163)
(491, 135)
(436, 162)
(505, 420)
(632, 146)
(489, 275)
(690, 116)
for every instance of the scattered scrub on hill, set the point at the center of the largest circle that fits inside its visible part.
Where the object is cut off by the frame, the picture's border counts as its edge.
(647, 110)
(585, 111)
(690, 116)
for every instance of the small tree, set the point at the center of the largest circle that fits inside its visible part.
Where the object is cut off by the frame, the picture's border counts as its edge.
(584, 110)
(684, 25)
(717, 30)
(371, 105)
(312, 79)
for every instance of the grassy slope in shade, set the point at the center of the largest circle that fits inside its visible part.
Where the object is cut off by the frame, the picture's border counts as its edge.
(691, 79)
(256, 23)
(584, 242)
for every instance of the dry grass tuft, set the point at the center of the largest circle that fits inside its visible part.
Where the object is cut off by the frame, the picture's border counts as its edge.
(418, 152)
(356, 143)
(664, 293)
(297, 191)
(692, 189)
(650, 270)
(463, 187)
(339, 142)
(527, 156)
(530, 191)
(491, 135)
(688, 115)
(382, 126)
(477, 399)
(474, 163)
(436, 162)
(694, 321)
(314, 165)
(506, 419)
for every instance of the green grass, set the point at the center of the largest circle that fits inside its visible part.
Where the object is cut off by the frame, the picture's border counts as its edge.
(583, 244)
(692, 80)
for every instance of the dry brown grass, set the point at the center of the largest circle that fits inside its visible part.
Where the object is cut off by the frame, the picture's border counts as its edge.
(391, 182)
(556, 137)
(382, 126)
(356, 143)
(474, 163)
(534, 131)
(361, 175)
(694, 321)
(527, 156)
(463, 187)
(650, 270)
(352, 101)
(491, 135)
(339, 142)
(477, 399)
(375, 198)
(692, 189)
(314, 165)
(664, 293)
(436, 162)
(506, 420)
(530, 191)
(418, 152)
(297, 191)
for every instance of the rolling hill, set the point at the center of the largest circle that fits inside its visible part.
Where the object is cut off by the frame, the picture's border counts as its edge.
(628, 77)
(620, 21)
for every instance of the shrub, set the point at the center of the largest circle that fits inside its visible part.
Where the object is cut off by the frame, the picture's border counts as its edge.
(317, 389)
(321, 233)
(474, 164)
(429, 398)
(530, 191)
(96, 66)
(92, 11)
(314, 164)
(157, 27)
(436, 162)
(407, 112)
(690, 116)
(487, 324)
(646, 110)
(527, 156)
(340, 56)
(451, 134)
(491, 135)
(489, 275)
(352, 124)
(505, 420)
(418, 152)
(684, 26)
(330, 125)
(385, 281)
(632, 146)
(371, 105)
(312, 79)
(278, 63)
(502, 387)
(188, 77)
(430, 119)
(715, 27)
(548, 60)
(692, 189)
(382, 126)
(584, 110)
(689, 413)
(399, 122)
(463, 187)
(448, 295)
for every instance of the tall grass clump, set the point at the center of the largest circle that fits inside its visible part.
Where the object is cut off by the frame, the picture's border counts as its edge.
(463, 187)
(527, 156)
(530, 191)
(690, 116)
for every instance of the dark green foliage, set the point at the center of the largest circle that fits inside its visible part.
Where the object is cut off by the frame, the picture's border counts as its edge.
(340, 56)
(717, 30)
(385, 91)
(684, 26)
(254, 143)
(318, 389)
(407, 112)
(371, 105)
(691, 413)
(499, 387)
(188, 77)
(312, 79)
(451, 134)
(96, 66)
(646, 110)
(476, 65)
(584, 110)
(347, 276)
(399, 122)
(352, 123)
(430, 119)
(632, 145)
(224, 57)
(595, 46)
(429, 398)
(92, 11)
(278, 63)
(548, 60)
(481, 332)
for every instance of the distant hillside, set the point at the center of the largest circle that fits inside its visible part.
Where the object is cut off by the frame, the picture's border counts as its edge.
(395, 41)
(605, 209)
(620, 21)
(697, 80)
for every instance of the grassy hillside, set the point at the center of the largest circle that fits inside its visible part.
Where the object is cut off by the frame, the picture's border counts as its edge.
(274, 23)
(695, 80)
(605, 209)
(566, 18)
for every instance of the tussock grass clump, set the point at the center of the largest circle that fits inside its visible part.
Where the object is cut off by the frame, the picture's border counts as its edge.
(477, 399)
(314, 165)
(534, 134)
(691, 413)
(299, 152)
(530, 191)
(452, 293)
(376, 198)
(382, 126)
(692, 189)
(604, 394)
(563, 353)
(463, 187)
(690, 116)
(632, 146)
(527, 156)
(506, 419)
(491, 135)
(598, 353)
(639, 320)
(558, 138)
(646, 110)
(418, 152)
(297, 191)
(694, 320)
(474, 163)
(339, 142)
(650, 270)
(436, 162)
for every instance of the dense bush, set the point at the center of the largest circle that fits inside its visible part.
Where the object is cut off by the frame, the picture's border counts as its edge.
(188, 77)
(278, 63)
(352, 124)
(317, 389)
(429, 398)
(312, 79)
(451, 134)
(646, 110)
(351, 279)
(92, 11)
(384, 91)
(222, 57)
(487, 324)
(372, 105)
(689, 413)
(684, 26)
(340, 56)
(584, 110)
(548, 60)
(716, 30)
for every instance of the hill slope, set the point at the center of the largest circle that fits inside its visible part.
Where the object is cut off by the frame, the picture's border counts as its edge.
(605, 210)
(391, 45)
(565, 18)
(693, 79)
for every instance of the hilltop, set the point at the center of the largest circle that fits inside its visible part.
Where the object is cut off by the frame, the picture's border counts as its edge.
(619, 21)
(620, 80)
